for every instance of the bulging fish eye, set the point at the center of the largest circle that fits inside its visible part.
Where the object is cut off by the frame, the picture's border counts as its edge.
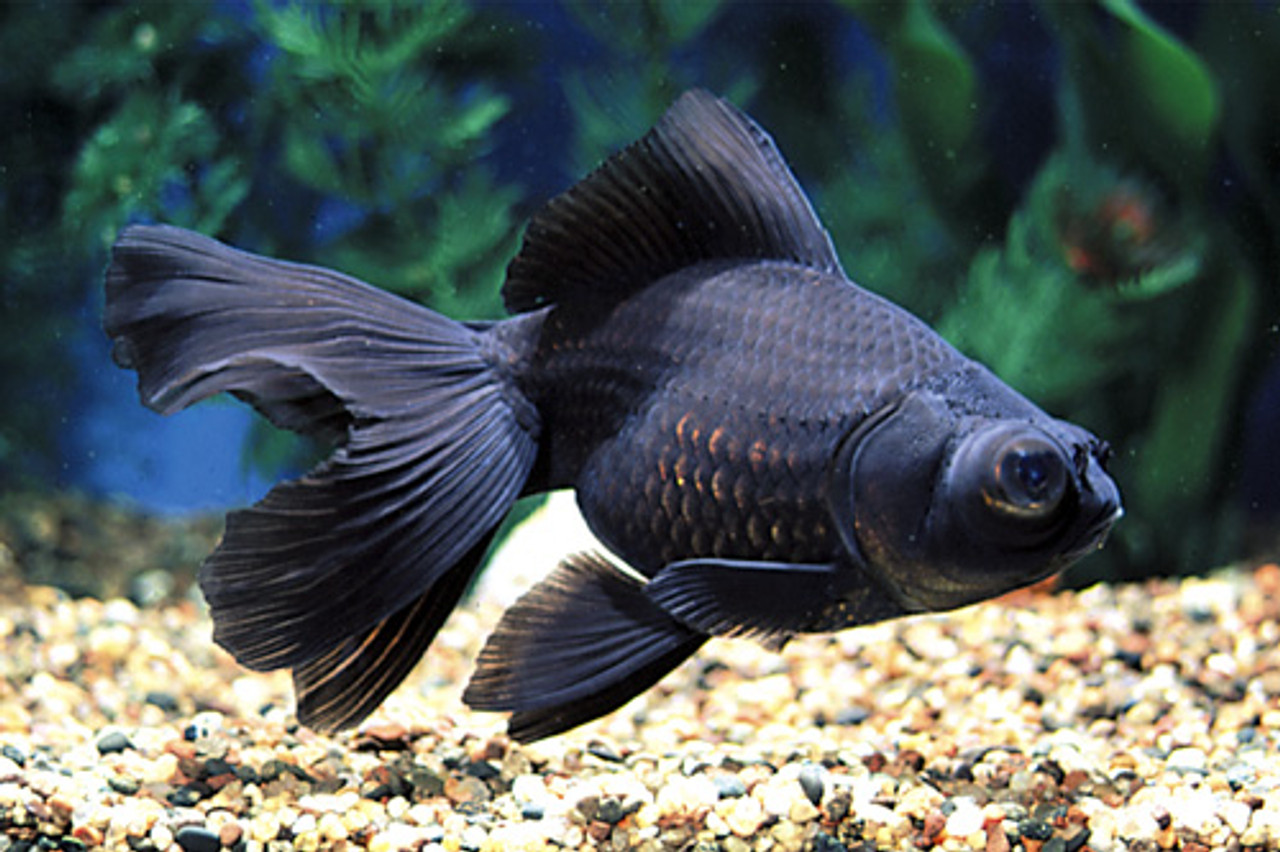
(1012, 484)
(1028, 480)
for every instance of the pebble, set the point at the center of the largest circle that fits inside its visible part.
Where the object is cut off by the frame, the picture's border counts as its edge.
(729, 786)
(113, 742)
(197, 839)
(743, 815)
(1187, 760)
(1059, 723)
(812, 781)
(967, 819)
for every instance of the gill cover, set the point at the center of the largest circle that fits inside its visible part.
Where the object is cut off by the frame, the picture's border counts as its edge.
(948, 508)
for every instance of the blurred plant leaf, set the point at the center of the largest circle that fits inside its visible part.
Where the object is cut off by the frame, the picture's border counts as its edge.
(935, 89)
(1170, 88)
(1139, 89)
(639, 27)
(891, 238)
(1192, 414)
(1032, 324)
(642, 39)
(1056, 310)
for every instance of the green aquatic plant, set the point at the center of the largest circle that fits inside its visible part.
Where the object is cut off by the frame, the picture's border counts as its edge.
(1109, 304)
(877, 208)
(935, 86)
(97, 133)
(375, 118)
(143, 151)
(157, 150)
(1140, 89)
(371, 113)
(643, 41)
(1088, 247)
(365, 119)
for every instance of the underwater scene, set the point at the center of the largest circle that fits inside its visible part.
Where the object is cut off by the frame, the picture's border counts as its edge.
(644, 424)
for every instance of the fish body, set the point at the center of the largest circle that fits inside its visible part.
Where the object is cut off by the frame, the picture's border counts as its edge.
(763, 447)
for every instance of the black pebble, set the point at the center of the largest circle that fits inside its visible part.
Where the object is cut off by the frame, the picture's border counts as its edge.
(604, 752)
(811, 782)
(483, 769)
(113, 743)
(195, 838)
(15, 754)
(163, 700)
(216, 766)
(1132, 659)
(1035, 829)
(425, 782)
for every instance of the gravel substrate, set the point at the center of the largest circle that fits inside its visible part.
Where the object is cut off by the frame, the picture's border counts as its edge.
(1140, 717)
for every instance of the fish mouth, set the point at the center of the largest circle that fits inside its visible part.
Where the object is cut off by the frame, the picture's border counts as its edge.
(1089, 540)
(1094, 535)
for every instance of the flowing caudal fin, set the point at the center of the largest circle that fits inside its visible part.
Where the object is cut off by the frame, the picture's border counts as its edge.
(356, 564)
(579, 644)
(340, 688)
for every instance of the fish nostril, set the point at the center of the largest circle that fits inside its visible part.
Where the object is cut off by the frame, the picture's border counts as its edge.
(1080, 458)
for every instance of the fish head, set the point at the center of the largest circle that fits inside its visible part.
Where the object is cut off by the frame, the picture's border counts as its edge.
(947, 507)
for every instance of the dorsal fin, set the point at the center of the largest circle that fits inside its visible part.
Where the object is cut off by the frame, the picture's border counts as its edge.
(706, 183)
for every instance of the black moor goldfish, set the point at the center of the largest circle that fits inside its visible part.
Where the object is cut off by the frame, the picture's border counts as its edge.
(763, 447)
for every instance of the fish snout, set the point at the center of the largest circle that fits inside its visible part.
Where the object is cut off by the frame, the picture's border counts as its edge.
(1100, 502)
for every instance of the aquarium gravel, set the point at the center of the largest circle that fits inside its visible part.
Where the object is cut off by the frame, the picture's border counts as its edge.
(1143, 717)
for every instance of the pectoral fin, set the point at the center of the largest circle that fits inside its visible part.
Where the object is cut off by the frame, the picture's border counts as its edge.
(765, 600)
(579, 644)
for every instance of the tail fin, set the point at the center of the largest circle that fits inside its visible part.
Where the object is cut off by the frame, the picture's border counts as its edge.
(361, 559)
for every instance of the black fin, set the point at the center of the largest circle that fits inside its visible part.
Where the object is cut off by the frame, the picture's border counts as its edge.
(340, 688)
(706, 183)
(766, 600)
(435, 444)
(579, 644)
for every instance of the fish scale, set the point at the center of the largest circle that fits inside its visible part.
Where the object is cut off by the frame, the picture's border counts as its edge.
(709, 383)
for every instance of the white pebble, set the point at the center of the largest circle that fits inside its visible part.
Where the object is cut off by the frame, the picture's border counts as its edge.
(966, 819)
(743, 815)
(1187, 758)
(1235, 814)
(394, 837)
